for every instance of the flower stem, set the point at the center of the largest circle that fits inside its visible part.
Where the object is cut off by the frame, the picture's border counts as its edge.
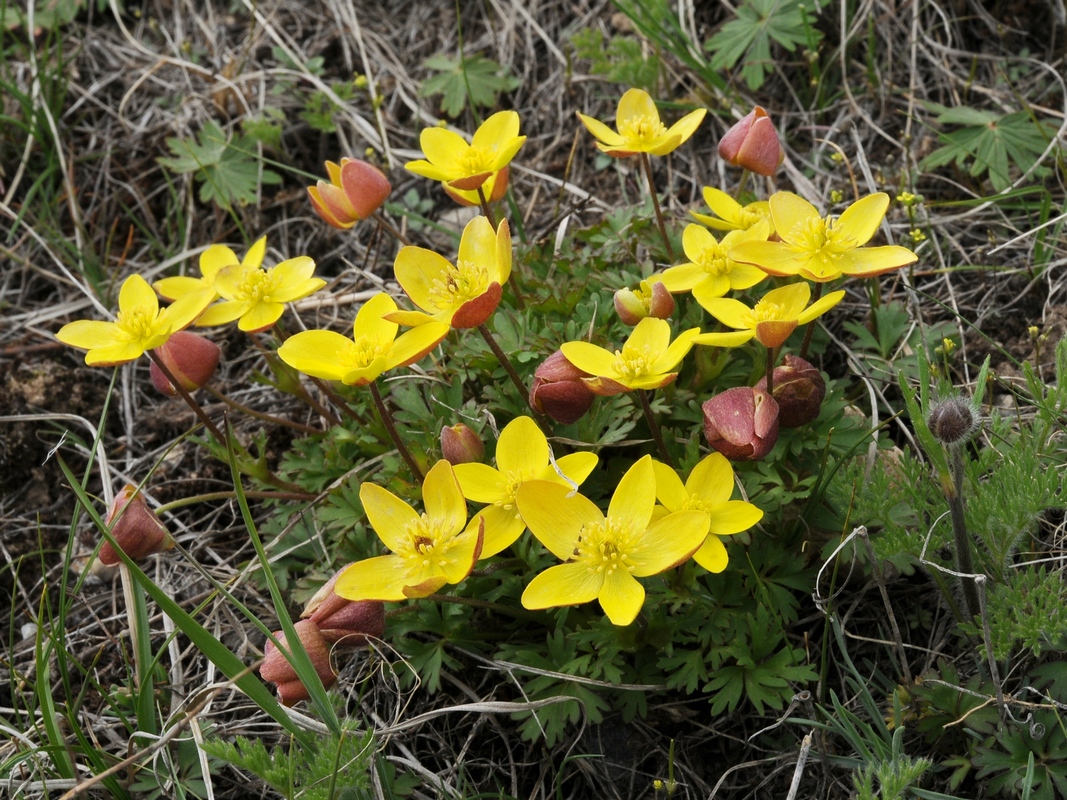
(188, 398)
(505, 362)
(964, 560)
(207, 497)
(474, 602)
(485, 208)
(772, 356)
(387, 421)
(384, 223)
(811, 325)
(657, 434)
(647, 163)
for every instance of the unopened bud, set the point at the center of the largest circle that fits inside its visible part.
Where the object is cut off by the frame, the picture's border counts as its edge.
(339, 618)
(633, 305)
(559, 391)
(952, 422)
(191, 359)
(277, 669)
(134, 527)
(799, 390)
(461, 445)
(741, 423)
(753, 143)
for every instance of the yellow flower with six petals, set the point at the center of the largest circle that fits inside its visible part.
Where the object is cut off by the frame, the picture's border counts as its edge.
(373, 349)
(140, 325)
(711, 272)
(605, 554)
(774, 317)
(429, 550)
(522, 454)
(463, 166)
(640, 129)
(820, 249)
(708, 488)
(461, 295)
(644, 362)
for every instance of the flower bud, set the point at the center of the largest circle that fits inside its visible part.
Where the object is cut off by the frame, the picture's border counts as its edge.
(355, 191)
(952, 422)
(191, 359)
(461, 445)
(134, 527)
(339, 618)
(799, 390)
(753, 143)
(741, 423)
(633, 305)
(277, 669)
(558, 390)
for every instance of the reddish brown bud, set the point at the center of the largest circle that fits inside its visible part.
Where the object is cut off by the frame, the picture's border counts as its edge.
(799, 390)
(753, 143)
(355, 191)
(339, 618)
(633, 305)
(191, 359)
(461, 445)
(558, 390)
(741, 423)
(277, 669)
(135, 528)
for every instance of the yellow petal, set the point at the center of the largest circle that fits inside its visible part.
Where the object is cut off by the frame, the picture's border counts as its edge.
(563, 585)
(712, 480)
(790, 299)
(180, 314)
(480, 483)
(502, 527)
(576, 466)
(174, 287)
(713, 287)
(712, 554)
(463, 551)
(221, 313)
(522, 449)
(590, 358)
(672, 356)
(733, 516)
(721, 204)
(415, 343)
(499, 128)
(601, 131)
(392, 518)
(88, 334)
(774, 258)
(381, 578)
(214, 259)
(669, 489)
(820, 306)
(724, 339)
(260, 316)
(418, 270)
(443, 149)
(443, 499)
(478, 246)
(635, 103)
(861, 219)
(792, 215)
(254, 257)
(730, 312)
(650, 335)
(369, 325)
(118, 353)
(321, 354)
(137, 294)
(555, 514)
(682, 278)
(291, 280)
(866, 262)
(621, 597)
(685, 127)
(634, 497)
(503, 252)
(669, 541)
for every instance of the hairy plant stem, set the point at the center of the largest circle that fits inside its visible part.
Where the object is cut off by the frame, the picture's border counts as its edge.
(188, 398)
(260, 415)
(811, 325)
(505, 362)
(384, 223)
(485, 207)
(772, 357)
(964, 557)
(657, 434)
(647, 163)
(387, 421)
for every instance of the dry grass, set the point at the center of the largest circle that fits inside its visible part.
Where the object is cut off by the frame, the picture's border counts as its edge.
(84, 200)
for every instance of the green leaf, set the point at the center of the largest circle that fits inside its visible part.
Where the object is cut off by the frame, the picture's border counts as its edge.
(228, 170)
(485, 79)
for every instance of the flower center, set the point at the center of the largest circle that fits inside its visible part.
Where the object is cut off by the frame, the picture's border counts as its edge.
(767, 311)
(822, 237)
(429, 545)
(476, 161)
(366, 351)
(632, 362)
(138, 322)
(458, 284)
(256, 286)
(606, 546)
(642, 128)
(747, 217)
(713, 260)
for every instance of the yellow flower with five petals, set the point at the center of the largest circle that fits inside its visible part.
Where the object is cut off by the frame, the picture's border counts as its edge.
(605, 554)
(640, 129)
(522, 454)
(711, 272)
(373, 349)
(774, 317)
(429, 550)
(708, 488)
(822, 250)
(140, 325)
(451, 160)
(645, 361)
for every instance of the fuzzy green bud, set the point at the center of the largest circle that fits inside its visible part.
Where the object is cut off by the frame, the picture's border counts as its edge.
(952, 422)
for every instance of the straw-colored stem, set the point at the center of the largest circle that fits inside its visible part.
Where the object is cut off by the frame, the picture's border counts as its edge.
(647, 163)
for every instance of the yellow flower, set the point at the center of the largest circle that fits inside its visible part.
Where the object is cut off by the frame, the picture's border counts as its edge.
(522, 455)
(212, 261)
(707, 489)
(467, 166)
(771, 320)
(256, 297)
(605, 554)
(429, 549)
(140, 325)
(464, 295)
(731, 215)
(645, 361)
(711, 272)
(640, 129)
(373, 349)
(824, 249)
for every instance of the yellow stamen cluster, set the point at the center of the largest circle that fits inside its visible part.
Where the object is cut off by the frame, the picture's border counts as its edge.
(458, 284)
(642, 128)
(605, 547)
